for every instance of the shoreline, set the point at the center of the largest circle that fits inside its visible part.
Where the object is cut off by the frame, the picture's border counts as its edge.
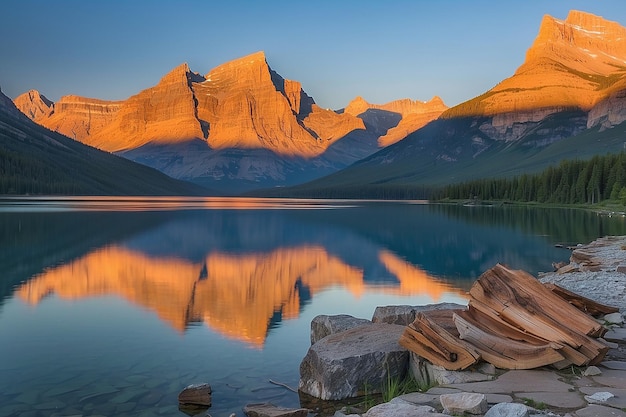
(597, 270)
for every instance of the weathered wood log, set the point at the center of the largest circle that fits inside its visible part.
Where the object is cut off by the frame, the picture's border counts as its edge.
(443, 318)
(521, 300)
(584, 304)
(502, 345)
(572, 356)
(430, 341)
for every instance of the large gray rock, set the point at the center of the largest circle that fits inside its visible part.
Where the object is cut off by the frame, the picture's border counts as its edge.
(405, 314)
(508, 410)
(402, 409)
(353, 362)
(323, 325)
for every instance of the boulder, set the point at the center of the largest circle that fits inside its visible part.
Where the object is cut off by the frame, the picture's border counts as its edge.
(270, 410)
(354, 362)
(323, 325)
(405, 314)
(508, 410)
(402, 409)
(196, 394)
(464, 402)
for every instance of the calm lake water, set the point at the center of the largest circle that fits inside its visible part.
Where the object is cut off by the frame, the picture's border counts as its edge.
(112, 306)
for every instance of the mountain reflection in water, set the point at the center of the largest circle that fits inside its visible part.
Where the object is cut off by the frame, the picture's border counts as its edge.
(113, 304)
(237, 295)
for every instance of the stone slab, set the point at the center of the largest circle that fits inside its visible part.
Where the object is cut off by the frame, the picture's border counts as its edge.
(599, 411)
(442, 390)
(570, 400)
(616, 335)
(612, 378)
(618, 401)
(498, 398)
(618, 365)
(517, 381)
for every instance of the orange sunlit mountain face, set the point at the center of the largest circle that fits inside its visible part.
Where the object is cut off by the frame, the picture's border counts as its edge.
(236, 295)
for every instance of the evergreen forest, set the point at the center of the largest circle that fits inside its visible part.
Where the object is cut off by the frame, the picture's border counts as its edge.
(590, 181)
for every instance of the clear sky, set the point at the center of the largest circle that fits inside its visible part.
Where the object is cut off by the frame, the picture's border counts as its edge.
(338, 49)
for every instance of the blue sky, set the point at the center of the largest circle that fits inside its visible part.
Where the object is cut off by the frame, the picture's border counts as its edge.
(380, 50)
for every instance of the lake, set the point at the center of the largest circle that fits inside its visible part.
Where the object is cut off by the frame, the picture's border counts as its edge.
(111, 306)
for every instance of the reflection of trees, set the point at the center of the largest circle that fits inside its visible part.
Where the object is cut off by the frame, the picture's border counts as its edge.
(237, 295)
(562, 224)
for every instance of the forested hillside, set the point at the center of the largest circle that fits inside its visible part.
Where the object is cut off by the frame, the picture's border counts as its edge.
(571, 182)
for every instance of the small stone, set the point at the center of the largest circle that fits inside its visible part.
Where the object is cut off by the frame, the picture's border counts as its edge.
(611, 345)
(270, 410)
(598, 397)
(507, 410)
(616, 335)
(196, 394)
(486, 368)
(592, 371)
(614, 318)
(464, 402)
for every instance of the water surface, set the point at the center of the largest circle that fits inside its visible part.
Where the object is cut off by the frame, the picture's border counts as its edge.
(111, 306)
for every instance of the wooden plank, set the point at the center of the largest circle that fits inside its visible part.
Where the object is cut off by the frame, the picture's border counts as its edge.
(430, 341)
(501, 351)
(583, 304)
(520, 299)
(443, 318)
(572, 356)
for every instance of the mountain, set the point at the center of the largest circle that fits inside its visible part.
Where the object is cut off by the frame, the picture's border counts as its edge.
(241, 126)
(567, 100)
(35, 160)
(398, 118)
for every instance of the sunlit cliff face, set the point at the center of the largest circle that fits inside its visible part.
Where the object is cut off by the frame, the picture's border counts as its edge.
(237, 295)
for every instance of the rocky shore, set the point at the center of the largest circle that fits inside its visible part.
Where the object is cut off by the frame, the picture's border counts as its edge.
(596, 271)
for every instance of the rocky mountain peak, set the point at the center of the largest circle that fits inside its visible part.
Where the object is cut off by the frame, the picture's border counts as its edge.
(397, 119)
(249, 71)
(591, 39)
(34, 105)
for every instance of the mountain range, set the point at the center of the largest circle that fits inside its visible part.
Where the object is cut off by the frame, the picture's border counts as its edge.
(239, 127)
(567, 101)
(35, 160)
(243, 127)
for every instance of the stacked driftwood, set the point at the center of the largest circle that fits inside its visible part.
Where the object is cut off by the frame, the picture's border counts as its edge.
(514, 322)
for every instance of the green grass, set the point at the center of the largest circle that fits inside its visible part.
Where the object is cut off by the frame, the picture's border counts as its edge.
(534, 404)
(394, 387)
